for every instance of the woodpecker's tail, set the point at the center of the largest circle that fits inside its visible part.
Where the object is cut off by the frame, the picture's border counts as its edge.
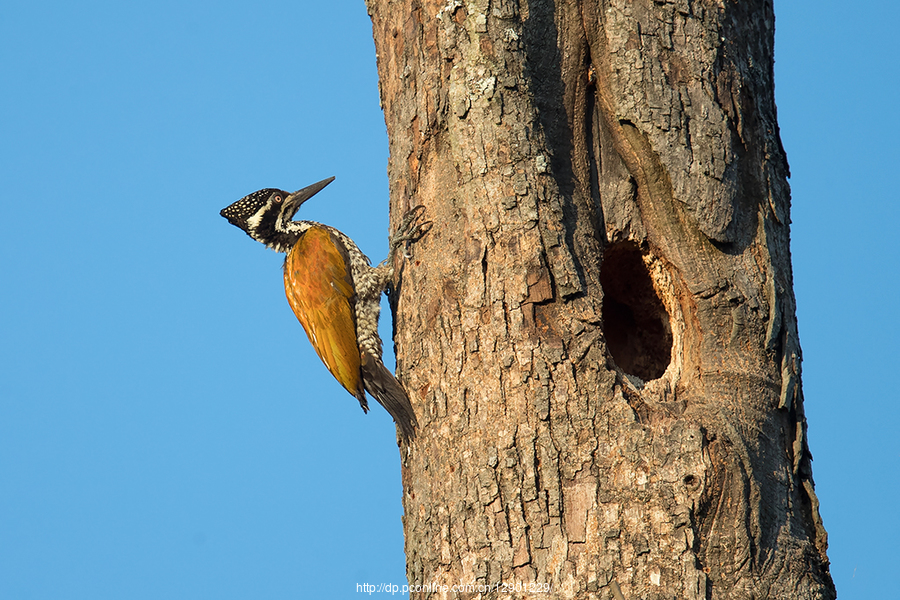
(387, 390)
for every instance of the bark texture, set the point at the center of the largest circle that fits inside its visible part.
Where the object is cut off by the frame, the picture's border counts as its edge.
(598, 334)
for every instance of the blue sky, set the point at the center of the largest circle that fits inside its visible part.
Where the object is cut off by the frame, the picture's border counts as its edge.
(165, 429)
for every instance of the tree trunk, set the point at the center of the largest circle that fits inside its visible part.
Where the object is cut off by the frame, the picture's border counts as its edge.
(598, 334)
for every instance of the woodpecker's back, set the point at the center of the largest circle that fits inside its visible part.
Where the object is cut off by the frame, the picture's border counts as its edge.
(334, 292)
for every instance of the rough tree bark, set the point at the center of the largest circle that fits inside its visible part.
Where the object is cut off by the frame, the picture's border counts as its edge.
(599, 332)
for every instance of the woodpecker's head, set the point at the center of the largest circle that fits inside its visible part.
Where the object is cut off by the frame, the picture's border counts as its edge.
(266, 215)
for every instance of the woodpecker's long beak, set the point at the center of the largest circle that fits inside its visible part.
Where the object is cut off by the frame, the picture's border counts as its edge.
(292, 203)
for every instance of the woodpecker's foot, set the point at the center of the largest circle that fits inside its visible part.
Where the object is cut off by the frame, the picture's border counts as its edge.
(411, 229)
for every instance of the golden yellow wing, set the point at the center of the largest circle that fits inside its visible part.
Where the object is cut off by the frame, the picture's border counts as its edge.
(319, 289)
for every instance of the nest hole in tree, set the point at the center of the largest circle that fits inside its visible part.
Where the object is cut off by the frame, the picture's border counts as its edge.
(635, 322)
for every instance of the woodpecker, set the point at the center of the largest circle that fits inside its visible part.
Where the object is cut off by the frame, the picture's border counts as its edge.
(333, 290)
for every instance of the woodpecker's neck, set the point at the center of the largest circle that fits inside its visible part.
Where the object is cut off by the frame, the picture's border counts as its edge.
(286, 235)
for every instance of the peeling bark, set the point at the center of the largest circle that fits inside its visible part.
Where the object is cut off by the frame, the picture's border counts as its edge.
(599, 333)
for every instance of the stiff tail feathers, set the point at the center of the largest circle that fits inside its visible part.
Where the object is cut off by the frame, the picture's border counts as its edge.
(385, 388)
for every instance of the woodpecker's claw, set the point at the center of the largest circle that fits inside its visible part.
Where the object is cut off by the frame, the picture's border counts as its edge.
(410, 230)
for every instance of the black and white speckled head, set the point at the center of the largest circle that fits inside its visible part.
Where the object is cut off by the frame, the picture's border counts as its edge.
(265, 215)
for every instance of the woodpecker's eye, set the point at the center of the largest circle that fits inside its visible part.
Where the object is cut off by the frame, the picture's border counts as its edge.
(277, 199)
